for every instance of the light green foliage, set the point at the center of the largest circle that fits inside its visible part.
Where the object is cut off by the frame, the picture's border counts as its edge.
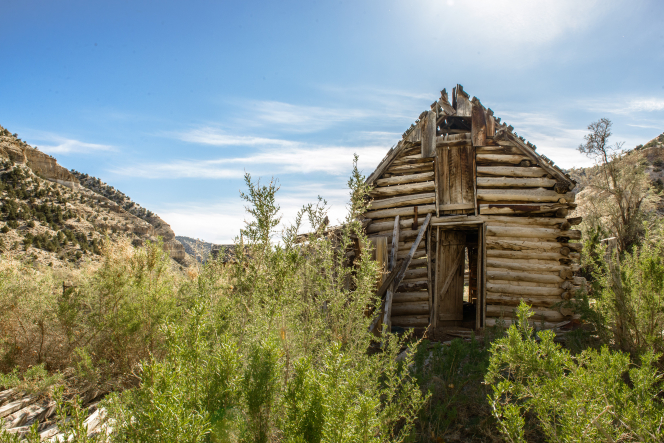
(35, 379)
(627, 304)
(582, 398)
(287, 322)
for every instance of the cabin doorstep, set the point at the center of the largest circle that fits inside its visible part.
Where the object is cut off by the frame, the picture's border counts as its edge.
(468, 220)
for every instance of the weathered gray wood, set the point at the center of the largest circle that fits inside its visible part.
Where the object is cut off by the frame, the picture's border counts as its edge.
(525, 254)
(403, 179)
(444, 104)
(407, 297)
(517, 208)
(523, 290)
(413, 248)
(538, 313)
(494, 274)
(537, 324)
(497, 158)
(519, 265)
(478, 125)
(385, 163)
(407, 189)
(411, 308)
(575, 220)
(392, 264)
(462, 102)
(411, 169)
(515, 299)
(450, 275)
(411, 321)
(512, 182)
(522, 245)
(406, 200)
(393, 212)
(527, 221)
(523, 195)
(395, 244)
(429, 135)
(511, 171)
(534, 232)
(14, 406)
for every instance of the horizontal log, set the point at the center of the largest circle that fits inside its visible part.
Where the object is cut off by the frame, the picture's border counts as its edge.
(511, 171)
(411, 321)
(418, 254)
(498, 158)
(524, 266)
(387, 224)
(575, 220)
(416, 273)
(560, 209)
(525, 232)
(14, 406)
(576, 247)
(407, 200)
(523, 195)
(403, 235)
(497, 149)
(525, 255)
(419, 263)
(491, 322)
(523, 276)
(457, 206)
(538, 313)
(411, 160)
(415, 308)
(522, 245)
(510, 182)
(524, 290)
(410, 169)
(408, 297)
(406, 245)
(421, 285)
(514, 299)
(407, 189)
(393, 212)
(403, 179)
(529, 221)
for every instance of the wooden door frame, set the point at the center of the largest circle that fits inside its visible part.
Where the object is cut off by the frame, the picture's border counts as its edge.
(480, 227)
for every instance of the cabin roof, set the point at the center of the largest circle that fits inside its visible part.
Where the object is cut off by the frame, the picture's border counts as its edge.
(503, 132)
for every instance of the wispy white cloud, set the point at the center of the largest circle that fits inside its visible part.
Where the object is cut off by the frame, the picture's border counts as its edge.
(299, 158)
(57, 144)
(213, 136)
(625, 106)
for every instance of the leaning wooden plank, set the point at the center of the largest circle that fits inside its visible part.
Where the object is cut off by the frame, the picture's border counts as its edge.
(512, 182)
(523, 232)
(386, 162)
(497, 158)
(408, 245)
(407, 200)
(411, 321)
(392, 265)
(404, 235)
(403, 179)
(413, 248)
(410, 188)
(523, 290)
(412, 308)
(522, 276)
(511, 171)
(523, 195)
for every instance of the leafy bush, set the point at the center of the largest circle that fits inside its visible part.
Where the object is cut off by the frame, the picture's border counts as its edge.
(286, 323)
(538, 387)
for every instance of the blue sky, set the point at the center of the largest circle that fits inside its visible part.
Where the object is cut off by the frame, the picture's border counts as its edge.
(171, 102)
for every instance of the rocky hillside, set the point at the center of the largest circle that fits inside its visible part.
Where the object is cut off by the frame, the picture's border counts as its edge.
(51, 215)
(196, 248)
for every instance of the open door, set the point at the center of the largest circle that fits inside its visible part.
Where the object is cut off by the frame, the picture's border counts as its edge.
(459, 276)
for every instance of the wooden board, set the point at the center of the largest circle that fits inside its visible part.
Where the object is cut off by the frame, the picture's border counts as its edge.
(455, 177)
(450, 265)
(429, 135)
(478, 125)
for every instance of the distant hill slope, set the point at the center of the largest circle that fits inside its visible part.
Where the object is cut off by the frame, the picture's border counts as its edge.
(51, 215)
(198, 249)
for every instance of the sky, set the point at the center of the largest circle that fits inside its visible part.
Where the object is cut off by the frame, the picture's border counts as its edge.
(173, 102)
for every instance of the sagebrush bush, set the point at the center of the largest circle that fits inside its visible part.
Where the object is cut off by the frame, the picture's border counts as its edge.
(286, 320)
(539, 387)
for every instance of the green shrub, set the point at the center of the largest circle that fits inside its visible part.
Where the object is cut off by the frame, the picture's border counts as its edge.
(538, 387)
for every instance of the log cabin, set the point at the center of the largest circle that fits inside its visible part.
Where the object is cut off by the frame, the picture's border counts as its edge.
(468, 220)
